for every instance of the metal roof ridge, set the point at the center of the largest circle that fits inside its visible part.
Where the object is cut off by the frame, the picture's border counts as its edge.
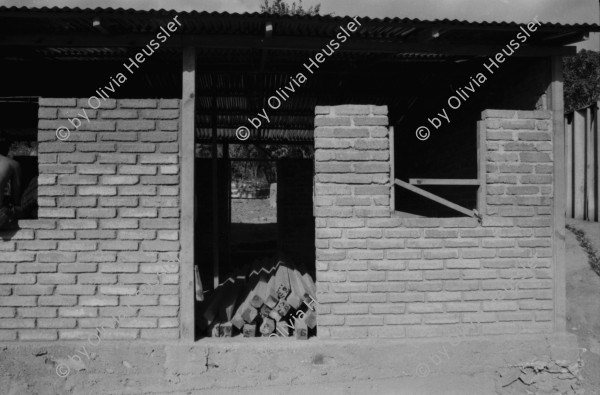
(255, 14)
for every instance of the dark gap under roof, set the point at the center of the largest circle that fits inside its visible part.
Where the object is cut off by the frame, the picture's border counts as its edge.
(239, 67)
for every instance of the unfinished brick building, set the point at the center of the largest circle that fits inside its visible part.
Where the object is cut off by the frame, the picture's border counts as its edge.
(410, 237)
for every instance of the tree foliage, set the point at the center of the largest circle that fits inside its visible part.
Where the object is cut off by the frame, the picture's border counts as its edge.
(264, 170)
(281, 7)
(253, 171)
(582, 79)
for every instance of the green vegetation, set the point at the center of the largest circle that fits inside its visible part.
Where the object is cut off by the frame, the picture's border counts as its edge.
(281, 7)
(582, 79)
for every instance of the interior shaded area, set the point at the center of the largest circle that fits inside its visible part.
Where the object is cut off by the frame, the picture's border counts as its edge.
(255, 233)
(18, 140)
(448, 100)
(82, 72)
(415, 87)
(211, 239)
(295, 218)
(414, 205)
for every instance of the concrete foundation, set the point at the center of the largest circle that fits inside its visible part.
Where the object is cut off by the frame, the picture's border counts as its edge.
(237, 365)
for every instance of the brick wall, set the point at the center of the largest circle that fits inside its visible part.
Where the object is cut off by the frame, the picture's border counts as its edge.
(108, 218)
(380, 275)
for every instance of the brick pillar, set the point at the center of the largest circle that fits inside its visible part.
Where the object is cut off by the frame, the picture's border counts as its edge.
(519, 165)
(352, 175)
(519, 202)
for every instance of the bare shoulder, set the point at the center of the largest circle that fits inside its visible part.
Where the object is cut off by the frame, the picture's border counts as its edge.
(8, 165)
(14, 164)
(4, 162)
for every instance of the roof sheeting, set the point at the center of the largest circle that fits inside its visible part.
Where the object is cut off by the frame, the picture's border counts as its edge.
(170, 13)
(247, 22)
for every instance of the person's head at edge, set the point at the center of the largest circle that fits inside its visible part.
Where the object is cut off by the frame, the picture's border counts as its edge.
(9, 171)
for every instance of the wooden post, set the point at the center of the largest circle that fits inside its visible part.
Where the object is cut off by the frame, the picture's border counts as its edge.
(267, 327)
(569, 163)
(590, 165)
(597, 170)
(301, 329)
(579, 163)
(310, 318)
(558, 213)
(249, 330)
(226, 329)
(264, 311)
(282, 328)
(481, 167)
(187, 151)
(227, 231)
(392, 172)
(215, 194)
(282, 308)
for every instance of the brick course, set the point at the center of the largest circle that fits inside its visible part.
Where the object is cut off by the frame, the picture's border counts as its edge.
(379, 275)
(102, 209)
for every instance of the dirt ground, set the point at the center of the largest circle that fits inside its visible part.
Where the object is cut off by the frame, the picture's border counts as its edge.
(253, 226)
(252, 211)
(583, 302)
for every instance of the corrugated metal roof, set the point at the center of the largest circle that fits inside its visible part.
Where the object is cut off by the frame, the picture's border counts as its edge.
(170, 13)
(377, 27)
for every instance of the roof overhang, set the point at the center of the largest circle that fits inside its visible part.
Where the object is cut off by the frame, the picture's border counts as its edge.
(127, 28)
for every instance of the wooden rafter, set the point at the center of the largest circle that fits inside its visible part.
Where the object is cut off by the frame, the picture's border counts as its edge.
(275, 43)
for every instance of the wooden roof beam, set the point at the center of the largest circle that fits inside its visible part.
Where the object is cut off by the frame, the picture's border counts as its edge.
(571, 36)
(275, 43)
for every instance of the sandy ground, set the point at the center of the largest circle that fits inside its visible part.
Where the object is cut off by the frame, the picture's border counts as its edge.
(252, 211)
(477, 384)
(583, 302)
(253, 224)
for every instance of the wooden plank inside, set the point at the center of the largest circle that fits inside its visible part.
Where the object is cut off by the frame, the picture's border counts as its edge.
(435, 198)
(442, 181)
